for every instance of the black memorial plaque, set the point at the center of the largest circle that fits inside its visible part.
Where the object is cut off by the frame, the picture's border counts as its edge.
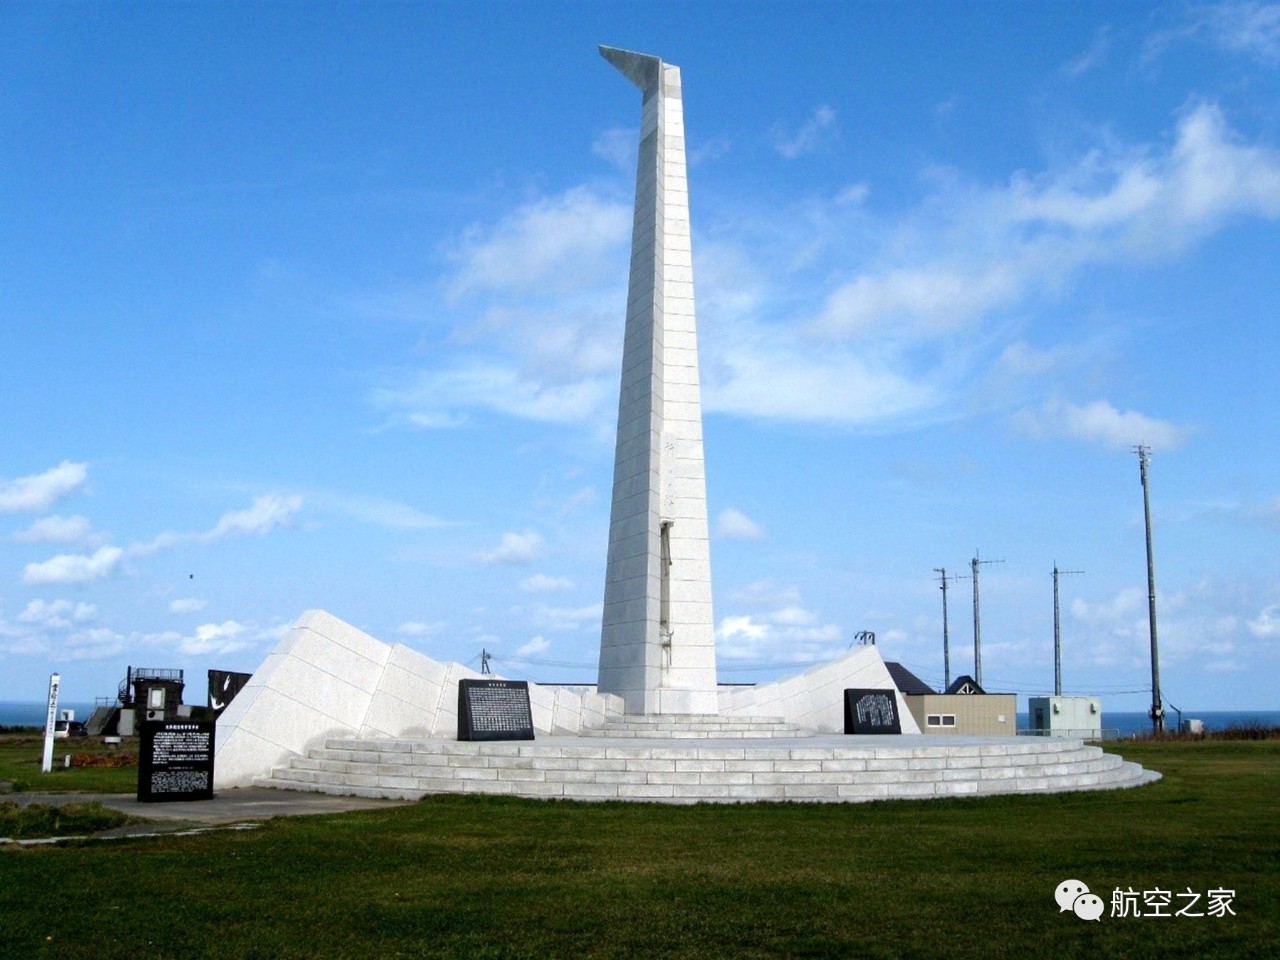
(494, 710)
(871, 711)
(223, 687)
(175, 760)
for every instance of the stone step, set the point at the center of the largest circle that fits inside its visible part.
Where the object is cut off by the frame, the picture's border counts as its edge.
(820, 769)
(694, 726)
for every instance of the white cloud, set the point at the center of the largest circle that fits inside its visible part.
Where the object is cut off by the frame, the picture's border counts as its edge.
(378, 511)
(58, 614)
(534, 647)
(791, 635)
(214, 638)
(1094, 56)
(99, 643)
(561, 242)
(814, 134)
(55, 529)
(1266, 625)
(742, 627)
(780, 381)
(617, 147)
(266, 513)
(977, 250)
(40, 491)
(1099, 422)
(516, 548)
(541, 583)
(74, 568)
(1248, 28)
(1119, 613)
(853, 195)
(186, 605)
(822, 313)
(425, 400)
(733, 524)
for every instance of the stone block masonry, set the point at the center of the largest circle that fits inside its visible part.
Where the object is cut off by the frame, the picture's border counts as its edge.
(657, 643)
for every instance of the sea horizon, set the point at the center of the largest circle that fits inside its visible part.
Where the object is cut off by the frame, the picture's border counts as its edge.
(31, 713)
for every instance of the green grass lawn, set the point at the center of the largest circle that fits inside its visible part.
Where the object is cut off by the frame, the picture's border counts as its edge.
(496, 877)
(69, 820)
(21, 756)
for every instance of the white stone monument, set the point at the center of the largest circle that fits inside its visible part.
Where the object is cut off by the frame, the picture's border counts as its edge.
(335, 710)
(657, 643)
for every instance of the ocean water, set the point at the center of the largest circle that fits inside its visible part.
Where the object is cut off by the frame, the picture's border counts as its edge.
(28, 714)
(1127, 724)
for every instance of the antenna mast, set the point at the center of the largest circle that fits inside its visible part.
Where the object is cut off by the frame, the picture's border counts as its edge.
(977, 618)
(1157, 709)
(1057, 629)
(946, 639)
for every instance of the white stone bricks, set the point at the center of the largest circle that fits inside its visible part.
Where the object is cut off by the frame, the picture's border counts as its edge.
(657, 644)
(325, 678)
(824, 769)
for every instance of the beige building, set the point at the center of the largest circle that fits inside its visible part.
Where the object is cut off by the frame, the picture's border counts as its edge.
(964, 709)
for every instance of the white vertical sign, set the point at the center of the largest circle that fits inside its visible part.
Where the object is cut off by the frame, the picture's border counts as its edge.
(50, 722)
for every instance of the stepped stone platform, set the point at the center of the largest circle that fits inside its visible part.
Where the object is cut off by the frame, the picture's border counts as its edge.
(822, 768)
(697, 727)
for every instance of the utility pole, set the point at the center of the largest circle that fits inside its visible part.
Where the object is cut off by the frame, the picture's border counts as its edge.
(1157, 708)
(1057, 629)
(946, 639)
(977, 618)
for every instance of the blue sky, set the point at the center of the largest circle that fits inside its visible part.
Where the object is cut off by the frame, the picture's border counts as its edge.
(320, 305)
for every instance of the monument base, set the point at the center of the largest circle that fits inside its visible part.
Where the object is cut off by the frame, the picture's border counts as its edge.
(824, 768)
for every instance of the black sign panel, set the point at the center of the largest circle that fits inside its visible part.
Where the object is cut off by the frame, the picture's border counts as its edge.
(871, 711)
(223, 687)
(494, 710)
(175, 760)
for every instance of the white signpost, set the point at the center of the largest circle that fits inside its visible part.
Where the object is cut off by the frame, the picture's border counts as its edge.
(51, 721)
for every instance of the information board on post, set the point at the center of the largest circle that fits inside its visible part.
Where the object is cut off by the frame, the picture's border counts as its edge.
(494, 710)
(871, 711)
(175, 760)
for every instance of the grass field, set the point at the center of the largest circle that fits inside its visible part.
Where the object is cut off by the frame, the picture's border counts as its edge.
(21, 755)
(494, 877)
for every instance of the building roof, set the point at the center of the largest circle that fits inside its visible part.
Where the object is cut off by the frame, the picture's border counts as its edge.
(906, 681)
(965, 684)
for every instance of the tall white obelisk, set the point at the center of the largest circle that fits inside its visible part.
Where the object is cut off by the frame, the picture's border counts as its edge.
(657, 644)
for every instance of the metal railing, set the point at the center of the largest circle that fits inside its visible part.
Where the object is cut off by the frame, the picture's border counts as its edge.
(124, 693)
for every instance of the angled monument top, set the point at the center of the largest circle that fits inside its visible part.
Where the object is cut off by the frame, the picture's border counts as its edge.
(642, 69)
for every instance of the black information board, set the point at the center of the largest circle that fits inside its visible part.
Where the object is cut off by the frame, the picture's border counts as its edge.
(175, 760)
(871, 711)
(494, 710)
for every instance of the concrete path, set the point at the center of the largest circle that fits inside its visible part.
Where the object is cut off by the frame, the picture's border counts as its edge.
(240, 805)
